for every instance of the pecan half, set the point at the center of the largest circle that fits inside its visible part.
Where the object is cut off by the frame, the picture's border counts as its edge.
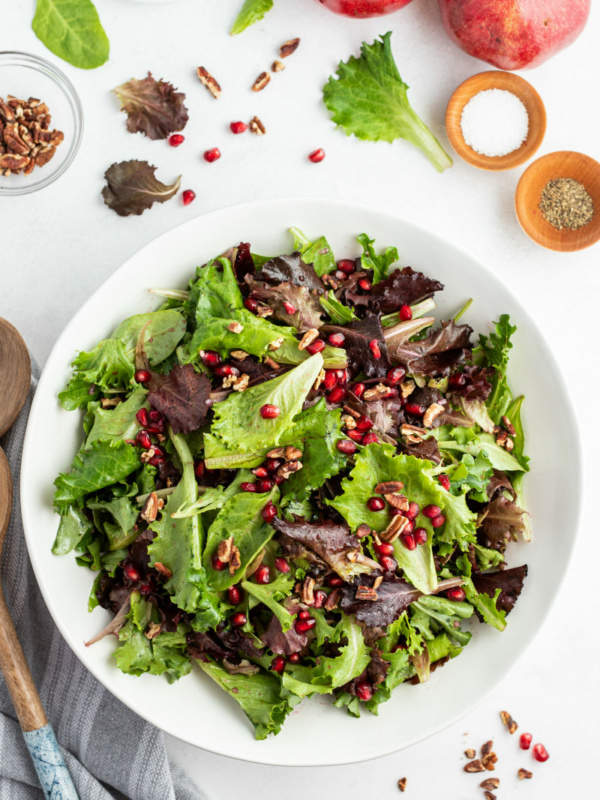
(398, 501)
(432, 413)
(402, 784)
(257, 127)
(206, 79)
(150, 509)
(308, 338)
(260, 83)
(44, 156)
(333, 599)
(14, 162)
(308, 591)
(490, 783)
(289, 47)
(387, 487)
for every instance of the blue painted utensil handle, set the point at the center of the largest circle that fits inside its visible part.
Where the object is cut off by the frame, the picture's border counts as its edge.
(49, 764)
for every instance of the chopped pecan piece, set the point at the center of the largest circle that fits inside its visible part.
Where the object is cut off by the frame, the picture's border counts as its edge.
(366, 593)
(153, 630)
(241, 383)
(260, 83)
(524, 773)
(160, 567)
(263, 311)
(288, 468)
(292, 453)
(239, 355)
(402, 784)
(319, 380)
(502, 438)
(489, 796)
(377, 582)
(308, 591)
(432, 413)
(276, 343)
(376, 393)
(235, 561)
(289, 47)
(206, 79)
(44, 156)
(277, 66)
(508, 425)
(333, 599)
(470, 753)
(490, 783)
(508, 721)
(257, 127)
(474, 766)
(407, 388)
(308, 338)
(150, 509)
(399, 501)
(487, 748)
(394, 529)
(348, 421)
(235, 327)
(110, 402)
(277, 452)
(224, 549)
(387, 487)
(271, 362)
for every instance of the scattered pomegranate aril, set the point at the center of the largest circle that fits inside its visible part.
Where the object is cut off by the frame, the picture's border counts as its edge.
(375, 349)
(199, 469)
(273, 464)
(525, 741)
(364, 691)
(188, 196)
(214, 154)
(247, 486)
(269, 512)
(412, 511)
(269, 411)
(395, 375)
(238, 620)
(260, 472)
(334, 581)
(142, 376)
(540, 753)
(358, 389)
(225, 370)
(336, 339)
(457, 380)
(370, 438)
(388, 564)
(238, 127)
(431, 511)
(265, 484)
(142, 417)
(294, 658)
(343, 376)
(217, 563)
(384, 549)
(304, 625)
(336, 395)
(457, 594)
(409, 527)
(263, 575)
(365, 285)
(281, 565)
(355, 435)
(131, 572)
(251, 304)
(420, 535)
(304, 615)
(346, 265)
(279, 479)
(375, 504)
(234, 595)
(364, 424)
(405, 313)
(289, 308)
(316, 155)
(444, 482)
(437, 522)
(278, 664)
(346, 446)
(210, 358)
(408, 540)
(176, 139)
(320, 598)
(144, 440)
(415, 409)
(330, 380)
(315, 347)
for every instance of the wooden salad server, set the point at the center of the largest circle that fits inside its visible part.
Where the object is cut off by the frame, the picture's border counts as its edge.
(15, 379)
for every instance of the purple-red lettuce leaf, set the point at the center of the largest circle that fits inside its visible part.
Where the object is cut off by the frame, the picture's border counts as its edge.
(283, 297)
(438, 353)
(359, 335)
(508, 581)
(132, 187)
(402, 287)
(500, 522)
(291, 268)
(152, 107)
(182, 396)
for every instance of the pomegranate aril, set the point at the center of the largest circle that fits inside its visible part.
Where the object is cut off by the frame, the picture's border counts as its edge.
(334, 581)
(278, 664)
(346, 265)
(289, 308)
(395, 375)
(457, 594)
(374, 347)
(269, 411)
(281, 565)
(225, 370)
(375, 504)
(413, 510)
(131, 572)
(269, 512)
(294, 658)
(142, 417)
(142, 376)
(437, 522)
(336, 395)
(330, 380)
(365, 285)
(408, 540)
(273, 464)
(238, 127)
(525, 741)
(247, 486)
(265, 484)
(304, 615)
(315, 347)
(260, 472)
(342, 375)
(176, 139)
(199, 469)
(304, 625)
(279, 479)
(395, 512)
(336, 339)
(384, 549)
(144, 440)
(457, 380)
(320, 598)
(214, 154)
(251, 304)
(540, 753)
(364, 424)
(405, 313)
(444, 482)
(339, 274)
(364, 691)
(234, 595)
(415, 409)
(218, 564)
(431, 511)
(346, 446)
(316, 155)
(356, 436)
(210, 358)
(262, 575)
(420, 535)
(238, 620)
(370, 438)
(156, 416)
(409, 527)
(188, 197)
(358, 389)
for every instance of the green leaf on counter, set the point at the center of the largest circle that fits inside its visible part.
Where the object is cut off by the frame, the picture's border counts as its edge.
(71, 29)
(252, 11)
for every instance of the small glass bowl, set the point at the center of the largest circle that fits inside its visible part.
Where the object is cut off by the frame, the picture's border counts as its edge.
(24, 75)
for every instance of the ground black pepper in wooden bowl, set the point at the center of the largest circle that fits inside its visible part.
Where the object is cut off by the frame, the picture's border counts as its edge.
(565, 203)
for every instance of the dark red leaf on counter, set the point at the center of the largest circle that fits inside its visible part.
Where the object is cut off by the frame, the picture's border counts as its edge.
(131, 188)
(509, 581)
(181, 396)
(438, 353)
(152, 107)
(402, 287)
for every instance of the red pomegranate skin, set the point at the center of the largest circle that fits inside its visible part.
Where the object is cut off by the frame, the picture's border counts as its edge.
(363, 8)
(514, 34)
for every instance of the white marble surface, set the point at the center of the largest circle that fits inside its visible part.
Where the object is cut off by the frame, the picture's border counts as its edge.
(61, 243)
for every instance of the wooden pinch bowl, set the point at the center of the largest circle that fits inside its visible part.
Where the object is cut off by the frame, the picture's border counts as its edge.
(562, 164)
(510, 83)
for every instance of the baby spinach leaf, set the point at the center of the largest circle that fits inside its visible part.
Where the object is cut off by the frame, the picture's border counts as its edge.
(71, 29)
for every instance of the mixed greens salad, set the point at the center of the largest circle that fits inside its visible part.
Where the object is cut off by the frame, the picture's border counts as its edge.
(293, 477)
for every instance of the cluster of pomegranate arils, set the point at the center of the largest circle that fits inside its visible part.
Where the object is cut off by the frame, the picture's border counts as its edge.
(153, 424)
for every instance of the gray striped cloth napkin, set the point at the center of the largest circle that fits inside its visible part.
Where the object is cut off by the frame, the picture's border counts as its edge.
(112, 753)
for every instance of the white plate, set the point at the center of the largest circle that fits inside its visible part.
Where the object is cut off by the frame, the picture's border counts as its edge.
(195, 709)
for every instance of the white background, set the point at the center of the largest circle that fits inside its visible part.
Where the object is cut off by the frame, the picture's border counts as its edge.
(60, 244)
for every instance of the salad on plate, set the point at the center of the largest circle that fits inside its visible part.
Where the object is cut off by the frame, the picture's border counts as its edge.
(292, 476)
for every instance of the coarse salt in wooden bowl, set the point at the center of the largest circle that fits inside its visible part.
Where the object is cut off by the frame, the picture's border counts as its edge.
(510, 83)
(562, 164)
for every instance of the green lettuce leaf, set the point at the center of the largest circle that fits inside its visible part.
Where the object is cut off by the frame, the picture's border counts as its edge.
(472, 475)
(379, 264)
(338, 313)
(433, 615)
(74, 525)
(106, 368)
(271, 594)
(493, 351)
(119, 422)
(252, 11)
(71, 29)
(120, 517)
(163, 330)
(455, 440)
(317, 253)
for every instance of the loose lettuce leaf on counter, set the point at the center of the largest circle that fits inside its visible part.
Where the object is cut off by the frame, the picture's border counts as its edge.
(252, 11)
(132, 187)
(72, 31)
(153, 107)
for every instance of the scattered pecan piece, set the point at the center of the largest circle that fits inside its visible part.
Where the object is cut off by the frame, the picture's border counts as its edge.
(524, 773)
(474, 766)
(388, 487)
(150, 509)
(224, 549)
(277, 452)
(241, 383)
(490, 783)
(276, 343)
(510, 445)
(470, 753)
(432, 413)
(502, 438)
(239, 355)
(260, 83)
(319, 380)
(263, 311)
(487, 748)
(153, 630)
(333, 599)
(402, 784)
(508, 425)
(376, 393)
(308, 338)
(292, 453)
(308, 591)
(235, 561)
(394, 529)
(288, 468)
(110, 402)
(377, 582)
(206, 79)
(277, 66)
(289, 47)
(348, 421)
(366, 593)
(508, 721)
(397, 501)
(235, 327)
(257, 127)
(489, 796)
(407, 388)
(160, 567)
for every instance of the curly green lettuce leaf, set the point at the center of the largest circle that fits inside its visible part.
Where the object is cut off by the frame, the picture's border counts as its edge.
(271, 595)
(460, 527)
(471, 476)
(116, 518)
(493, 351)
(107, 368)
(74, 526)
(370, 260)
(259, 696)
(466, 440)
(119, 423)
(252, 11)
(338, 313)
(71, 29)
(317, 253)
(369, 99)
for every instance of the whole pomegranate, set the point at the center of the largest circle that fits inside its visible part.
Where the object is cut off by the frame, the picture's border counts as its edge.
(514, 34)
(363, 8)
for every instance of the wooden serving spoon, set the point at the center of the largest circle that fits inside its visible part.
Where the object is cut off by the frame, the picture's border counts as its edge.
(15, 378)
